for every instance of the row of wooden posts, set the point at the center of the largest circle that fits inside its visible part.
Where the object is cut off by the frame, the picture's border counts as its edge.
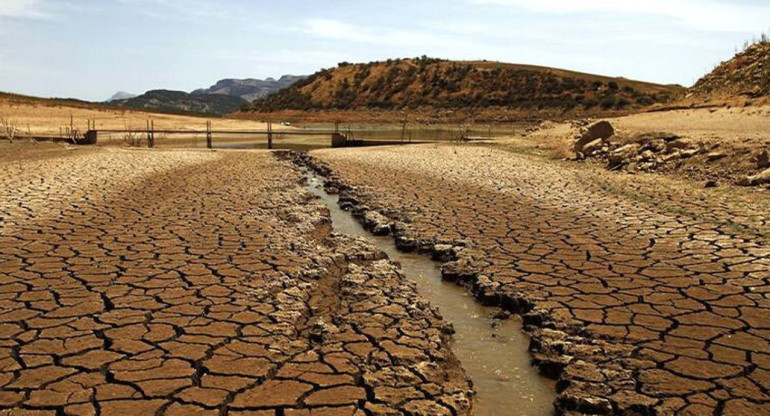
(71, 133)
(92, 132)
(209, 135)
(338, 137)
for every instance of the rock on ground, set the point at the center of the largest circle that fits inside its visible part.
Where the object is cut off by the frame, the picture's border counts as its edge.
(763, 159)
(601, 130)
(760, 178)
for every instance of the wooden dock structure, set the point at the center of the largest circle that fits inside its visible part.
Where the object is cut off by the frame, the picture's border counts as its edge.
(337, 138)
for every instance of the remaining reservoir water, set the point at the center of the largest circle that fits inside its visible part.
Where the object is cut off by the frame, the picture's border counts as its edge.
(495, 358)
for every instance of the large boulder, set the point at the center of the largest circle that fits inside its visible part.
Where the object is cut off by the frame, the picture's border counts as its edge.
(601, 130)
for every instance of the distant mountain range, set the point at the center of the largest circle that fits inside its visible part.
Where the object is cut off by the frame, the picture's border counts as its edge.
(250, 89)
(224, 97)
(120, 95)
(181, 102)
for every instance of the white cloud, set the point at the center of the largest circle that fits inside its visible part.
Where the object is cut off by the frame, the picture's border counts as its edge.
(418, 40)
(329, 29)
(26, 9)
(187, 9)
(719, 15)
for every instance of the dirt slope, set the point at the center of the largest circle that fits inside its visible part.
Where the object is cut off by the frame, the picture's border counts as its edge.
(744, 77)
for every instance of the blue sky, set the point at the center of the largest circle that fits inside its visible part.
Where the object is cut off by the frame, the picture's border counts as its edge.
(90, 49)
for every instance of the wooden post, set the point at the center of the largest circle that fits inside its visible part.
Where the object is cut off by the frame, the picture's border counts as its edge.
(209, 141)
(337, 133)
(403, 131)
(269, 135)
(150, 137)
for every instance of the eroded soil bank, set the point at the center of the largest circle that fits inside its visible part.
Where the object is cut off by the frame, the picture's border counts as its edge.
(635, 308)
(203, 283)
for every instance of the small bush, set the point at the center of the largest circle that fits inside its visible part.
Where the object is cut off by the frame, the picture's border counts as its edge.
(589, 103)
(8, 129)
(622, 103)
(645, 100)
(608, 102)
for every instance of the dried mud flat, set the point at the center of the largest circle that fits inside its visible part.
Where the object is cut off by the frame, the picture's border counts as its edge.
(198, 283)
(638, 308)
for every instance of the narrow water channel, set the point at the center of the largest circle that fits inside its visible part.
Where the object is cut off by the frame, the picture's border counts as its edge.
(495, 357)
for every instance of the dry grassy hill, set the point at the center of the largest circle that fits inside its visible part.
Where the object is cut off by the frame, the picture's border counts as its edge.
(11, 100)
(744, 77)
(425, 83)
(44, 116)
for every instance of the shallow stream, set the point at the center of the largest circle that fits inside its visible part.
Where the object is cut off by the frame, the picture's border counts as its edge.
(495, 357)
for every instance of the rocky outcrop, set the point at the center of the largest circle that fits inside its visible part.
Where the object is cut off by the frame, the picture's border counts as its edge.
(644, 153)
(250, 89)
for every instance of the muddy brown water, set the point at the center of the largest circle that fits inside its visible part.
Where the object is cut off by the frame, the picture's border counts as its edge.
(495, 357)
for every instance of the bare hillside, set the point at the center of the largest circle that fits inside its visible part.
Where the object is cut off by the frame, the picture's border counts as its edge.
(746, 76)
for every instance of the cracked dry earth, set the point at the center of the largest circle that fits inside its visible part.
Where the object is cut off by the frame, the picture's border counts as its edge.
(637, 310)
(197, 283)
